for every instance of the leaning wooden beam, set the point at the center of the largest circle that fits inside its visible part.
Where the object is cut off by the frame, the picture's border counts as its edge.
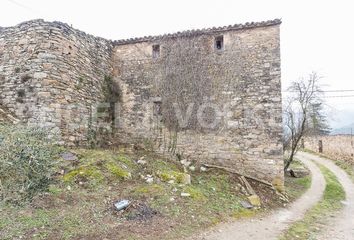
(248, 186)
(9, 117)
(237, 173)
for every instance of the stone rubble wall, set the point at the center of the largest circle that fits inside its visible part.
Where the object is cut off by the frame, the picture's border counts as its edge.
(246, 74)
(335, 147)
(50, 74)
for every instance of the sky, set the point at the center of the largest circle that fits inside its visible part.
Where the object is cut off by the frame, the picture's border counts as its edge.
(315, 35)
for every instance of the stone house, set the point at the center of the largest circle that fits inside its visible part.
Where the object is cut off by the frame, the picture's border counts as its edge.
(210, 95)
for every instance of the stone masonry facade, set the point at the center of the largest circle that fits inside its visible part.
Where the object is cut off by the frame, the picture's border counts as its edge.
(223, 85)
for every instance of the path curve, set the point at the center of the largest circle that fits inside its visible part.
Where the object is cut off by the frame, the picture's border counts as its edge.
(342, 226)
(271, 226)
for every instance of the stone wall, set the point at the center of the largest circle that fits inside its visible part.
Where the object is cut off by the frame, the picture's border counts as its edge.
(244, 75)
(50, 74)
(336, 147)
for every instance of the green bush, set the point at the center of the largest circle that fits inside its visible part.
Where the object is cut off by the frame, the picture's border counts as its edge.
(27, 158)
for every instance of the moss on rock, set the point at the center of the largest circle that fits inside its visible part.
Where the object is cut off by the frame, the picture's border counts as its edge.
(118, 171)
(178, 177)
(84, 173)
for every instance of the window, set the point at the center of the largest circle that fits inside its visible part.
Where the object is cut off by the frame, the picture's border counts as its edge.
(155, 51)
(157, 112)
(219, 43)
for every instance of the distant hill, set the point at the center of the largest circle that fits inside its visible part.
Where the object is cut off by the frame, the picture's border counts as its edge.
(343, 130)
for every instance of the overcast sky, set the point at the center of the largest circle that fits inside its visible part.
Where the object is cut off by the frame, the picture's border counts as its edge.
(315, 35)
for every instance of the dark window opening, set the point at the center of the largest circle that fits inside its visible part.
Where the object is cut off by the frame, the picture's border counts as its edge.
(155, 51)
(219, 43)
(157, 112)
(157, 109)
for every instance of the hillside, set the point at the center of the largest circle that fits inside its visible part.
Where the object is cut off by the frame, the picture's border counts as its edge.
(344, 130)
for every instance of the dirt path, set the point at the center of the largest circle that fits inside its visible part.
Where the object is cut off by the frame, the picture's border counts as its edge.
(342, 227)
(271, 226)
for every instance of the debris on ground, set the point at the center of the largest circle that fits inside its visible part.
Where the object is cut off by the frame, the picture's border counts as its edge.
(120, 205)
(185, 179)
(138, 211)
(69, 156)
(246, 204)
(186, 163)
(185, 194)
(141, 162)
(149, 179)
(254, 200)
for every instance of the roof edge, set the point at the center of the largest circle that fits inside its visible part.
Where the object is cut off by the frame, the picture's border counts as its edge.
(188, 33)
(197, 32)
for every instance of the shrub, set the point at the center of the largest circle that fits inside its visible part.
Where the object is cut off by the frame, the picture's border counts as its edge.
(26, 162)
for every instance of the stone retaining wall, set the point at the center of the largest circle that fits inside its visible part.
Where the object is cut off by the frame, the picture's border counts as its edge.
(336, 147)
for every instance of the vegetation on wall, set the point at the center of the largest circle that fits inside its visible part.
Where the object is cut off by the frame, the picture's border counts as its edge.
(101, 123)
(190, 78)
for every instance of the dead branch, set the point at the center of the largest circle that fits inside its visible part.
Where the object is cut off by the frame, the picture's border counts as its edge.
(237, 173)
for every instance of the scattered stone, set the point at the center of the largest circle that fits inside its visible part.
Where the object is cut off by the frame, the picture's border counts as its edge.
(185, 194)
(69, 156)
(278, 184)
(141, 162)
(246, 205)
(254, 200)
(185, 179)
(185, 162)
(203, 169)
(172, 199)
(149, 180)
(171, 181)
(192, 168)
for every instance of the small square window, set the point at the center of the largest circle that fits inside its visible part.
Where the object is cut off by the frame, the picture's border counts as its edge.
(155, 51)
(219, 43)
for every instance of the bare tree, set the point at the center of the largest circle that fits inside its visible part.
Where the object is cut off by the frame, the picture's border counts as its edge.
(301, 113)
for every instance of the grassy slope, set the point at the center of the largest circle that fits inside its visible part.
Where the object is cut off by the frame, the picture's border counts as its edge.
(345, 165)
(79, 204)
(295, 187)
(320, 214)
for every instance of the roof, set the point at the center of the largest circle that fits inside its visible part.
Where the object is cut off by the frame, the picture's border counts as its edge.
(198, 32)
